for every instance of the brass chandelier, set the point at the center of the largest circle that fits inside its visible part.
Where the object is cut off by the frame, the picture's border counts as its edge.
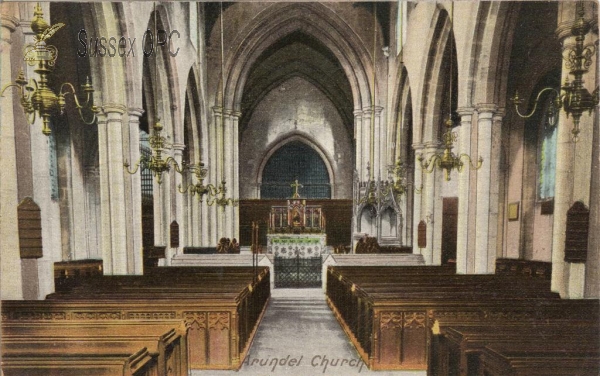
(37, 98)
(573, 97)
(446, 159)
(156, 163)
(214, 195)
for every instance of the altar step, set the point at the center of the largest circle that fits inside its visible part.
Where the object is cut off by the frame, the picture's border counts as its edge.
(376, 259)
(214, 260)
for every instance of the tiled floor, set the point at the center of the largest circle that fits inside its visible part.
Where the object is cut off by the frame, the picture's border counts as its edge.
(300, 336)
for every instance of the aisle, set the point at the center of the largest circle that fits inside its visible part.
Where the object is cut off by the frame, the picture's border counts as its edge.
(300, 336)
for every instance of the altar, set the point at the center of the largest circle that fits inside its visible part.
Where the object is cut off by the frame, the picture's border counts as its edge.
(296, 230)
(297, 240)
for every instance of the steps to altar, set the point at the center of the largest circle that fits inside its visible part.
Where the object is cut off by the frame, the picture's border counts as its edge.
(329, 259)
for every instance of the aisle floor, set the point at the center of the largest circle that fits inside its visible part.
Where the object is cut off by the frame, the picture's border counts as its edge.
(300, 336)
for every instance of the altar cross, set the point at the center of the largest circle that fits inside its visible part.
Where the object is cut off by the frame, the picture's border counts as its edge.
(295, 185)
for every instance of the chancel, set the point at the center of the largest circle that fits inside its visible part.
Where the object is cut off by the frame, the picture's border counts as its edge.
(404, 186)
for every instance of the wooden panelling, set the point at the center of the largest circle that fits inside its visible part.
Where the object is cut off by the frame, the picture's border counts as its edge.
(576, 241)
(30, 229)
(174, 230)
(422, 235)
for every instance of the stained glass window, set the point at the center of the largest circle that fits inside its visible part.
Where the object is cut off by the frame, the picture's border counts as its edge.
(295, 160)
(547, 153)
(146, 151)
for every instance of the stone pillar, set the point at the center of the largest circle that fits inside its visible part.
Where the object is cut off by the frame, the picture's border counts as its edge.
(380, 145)
(365, 139)
(42, 176)
(112, 190)
(228, 150)
(462, 239)
(417, 202)
(431, 195)
(93, 231)
(592, 269)
(178, 207)
(484, 256)
(132, 152)
(573, 166)
(358, 126)
(12, 287)
(235, 192)
(216, 213)
(495, 223)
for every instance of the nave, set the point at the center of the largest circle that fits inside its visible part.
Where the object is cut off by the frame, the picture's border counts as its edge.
(329, 139)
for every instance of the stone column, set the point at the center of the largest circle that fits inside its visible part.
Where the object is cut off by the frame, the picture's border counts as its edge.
(417, 202)
(135, 192)
(462, 239)
(573, 166)
(178, 206)
(217, 215)
(484, 256)
(228, 149)
(112, 190)
(235, 192)
(42, 176)
(12, 287)
(92, 212)
(430, 197)
(592, 269)
(380, 145)
(358, 142)
(366, 145)
(494, 240)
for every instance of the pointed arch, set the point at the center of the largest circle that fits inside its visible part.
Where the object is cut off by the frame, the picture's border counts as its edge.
(313, 19)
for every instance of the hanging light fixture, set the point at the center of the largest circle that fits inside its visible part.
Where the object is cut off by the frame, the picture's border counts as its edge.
(214, 195)
(446, 159)
(37, 98)
(155, 162)
(210, 190)
(574, 99)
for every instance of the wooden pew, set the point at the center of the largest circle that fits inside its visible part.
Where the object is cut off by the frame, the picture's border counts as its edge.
(529, 360)
(458, 351)
(27, 344)
(105, 363)
(220, 317)
(389, 312)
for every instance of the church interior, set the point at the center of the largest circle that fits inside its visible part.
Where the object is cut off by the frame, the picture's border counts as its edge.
(191, 188)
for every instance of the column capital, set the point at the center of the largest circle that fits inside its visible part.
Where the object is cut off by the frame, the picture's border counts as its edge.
(357, 113)
(432, 146)
(486, 108)
(378, 110)
(418, 146)
(112, 108)
(218, 110)
(178, 147)
(236, 113)
(499, 114)
(9, 22)
(465, 111)
(137, 112)
(367, 111)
